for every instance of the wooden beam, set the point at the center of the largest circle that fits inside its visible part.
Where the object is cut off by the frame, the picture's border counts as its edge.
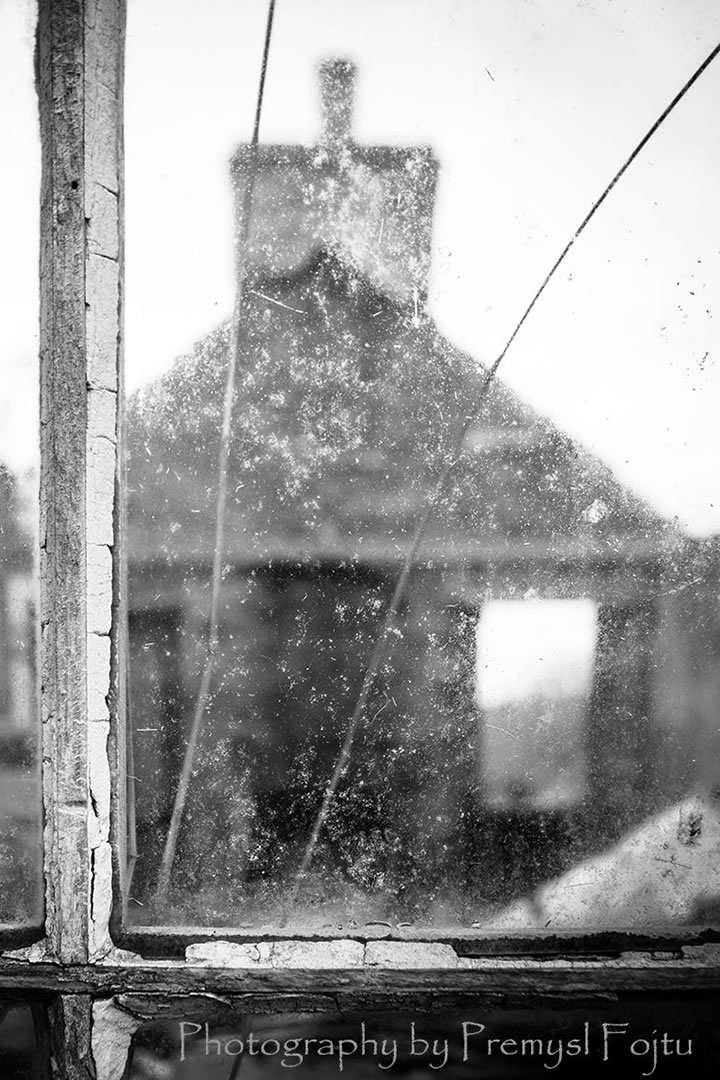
(80, 82)
(70, 1037)
(271, 988)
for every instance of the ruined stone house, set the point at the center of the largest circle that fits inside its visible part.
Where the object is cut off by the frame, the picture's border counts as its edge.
(347, 403)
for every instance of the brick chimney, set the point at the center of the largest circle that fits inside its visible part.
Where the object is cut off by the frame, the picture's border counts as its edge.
(370, 205)
(337, 91)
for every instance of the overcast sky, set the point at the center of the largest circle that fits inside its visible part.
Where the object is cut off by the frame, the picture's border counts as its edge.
(544, 648)
(530, 106)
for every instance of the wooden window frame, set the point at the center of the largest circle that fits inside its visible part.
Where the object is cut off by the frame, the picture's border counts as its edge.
(97, 992)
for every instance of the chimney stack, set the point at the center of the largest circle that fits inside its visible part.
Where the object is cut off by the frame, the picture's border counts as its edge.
(337, 88)
(372, 206)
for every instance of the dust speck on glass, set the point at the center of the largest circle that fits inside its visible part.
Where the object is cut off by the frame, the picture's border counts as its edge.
(538, 749)
(20, 798)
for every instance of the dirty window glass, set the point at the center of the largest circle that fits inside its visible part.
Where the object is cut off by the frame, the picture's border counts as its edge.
(535, 662)
(20, 800)
(24, 1039)
(309, 325)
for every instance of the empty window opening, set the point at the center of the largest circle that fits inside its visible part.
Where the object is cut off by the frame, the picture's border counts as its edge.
(534, 674)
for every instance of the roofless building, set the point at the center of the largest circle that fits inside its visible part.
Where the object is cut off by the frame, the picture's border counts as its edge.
(484, 762)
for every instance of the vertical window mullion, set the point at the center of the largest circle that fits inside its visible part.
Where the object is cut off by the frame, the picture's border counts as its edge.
(79, 74)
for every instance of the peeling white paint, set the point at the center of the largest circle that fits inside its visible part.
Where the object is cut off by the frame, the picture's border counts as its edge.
(99, 589)
(315, 954)
(98, 677)
(121, 958)
(329, 955)
(99, 772)
(279, 954)
(112, 1032)
(102, 283)
(102, 414)
(102, 231)
(100, 901)
(224, 954)
(102, 333)
(410, 954)
(38, 953)
(100, 491)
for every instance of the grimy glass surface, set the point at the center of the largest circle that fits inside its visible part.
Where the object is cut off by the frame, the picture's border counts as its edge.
(538, 745)
(20, 800)
(534, 671)
(24, 1043)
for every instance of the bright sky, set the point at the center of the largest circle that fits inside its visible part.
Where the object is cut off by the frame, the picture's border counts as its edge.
(527, 648)
(530, 106)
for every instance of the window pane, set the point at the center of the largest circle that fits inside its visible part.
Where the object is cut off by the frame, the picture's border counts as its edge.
(24, 1042)
(20, 800)
(398, 216)
(535, 661)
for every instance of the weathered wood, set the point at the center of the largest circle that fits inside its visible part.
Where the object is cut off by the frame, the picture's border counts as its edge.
(104, 41)
(43, 1039)
(70, 1036)
(63, 411)
(112, 1032)
(80, 86)
(167, 942)
(273, 987)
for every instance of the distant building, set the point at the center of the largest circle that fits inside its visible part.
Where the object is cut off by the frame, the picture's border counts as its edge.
(20, 796)
(348, 399)
(18, 696)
